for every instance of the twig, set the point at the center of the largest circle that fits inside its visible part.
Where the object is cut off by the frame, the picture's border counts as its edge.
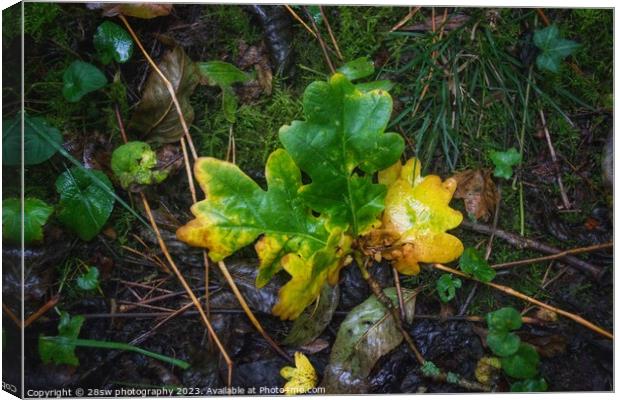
(399, 293)
(554, 256)
(407, 17)
(321, 43)
(521, 149)
(12, 315)
(554, 158)
(525, 243)
(543, 16)
(331, 33)
(120, 124)
(512, 292)
(45, 308)
(300, 20)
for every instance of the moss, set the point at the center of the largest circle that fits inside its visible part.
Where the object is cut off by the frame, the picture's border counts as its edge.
(38, 18)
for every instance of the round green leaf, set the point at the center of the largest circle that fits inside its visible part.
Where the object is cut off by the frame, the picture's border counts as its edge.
(221, 73)
(89, 280)
(36, 213)
(84, 205)
(473, 263)
(530, 385)
(133, 164)
(503, 344)
(446, 287)
(358, 68)
(112, 42)
(81, 78)
(504, 320)
(37, 134)
(504, 161)
(523, 364)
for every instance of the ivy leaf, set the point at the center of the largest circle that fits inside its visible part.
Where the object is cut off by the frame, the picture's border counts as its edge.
(36, 148)
(358, 68)
(84, 206)
(446, 287)
(343, 131)
(504, 160)
(367, 333)
(417, 211)
(51, 349)
(301, 378)
(112, 42)
(156, 117)
(503, 343)
(134, 164)
(473, 263)
(523, 364)
(36, 214)
(89, 280)
(553, 48)
(530, 385)
(81, 78)
(504, 320)
(237, 211)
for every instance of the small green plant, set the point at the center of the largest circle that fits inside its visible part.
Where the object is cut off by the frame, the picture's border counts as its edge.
(81, 78)
(112, 42)
(89, 280)
(224, 75)
(446, 287)
(37, 135)
(472, 263)
(61, 349)
(504, 161)
(36, 214)
(519, 360)
(134, 164)
(553, 48)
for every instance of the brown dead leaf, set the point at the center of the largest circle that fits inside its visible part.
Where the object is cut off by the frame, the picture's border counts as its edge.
(548, 345)
(257, 57)
(137, 10)
(478, 191)
(315, 346)
(156, 118)
(544, 314)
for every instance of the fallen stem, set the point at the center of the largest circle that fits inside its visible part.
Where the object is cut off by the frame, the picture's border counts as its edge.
(554, 256)
(41, 311)
(65, 341)
(512, 292)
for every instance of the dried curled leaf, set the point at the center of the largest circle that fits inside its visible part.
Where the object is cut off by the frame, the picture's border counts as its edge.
(237, 211)
(156, 118)
(417, 211)
(343, 131)
(137, 10)
(478, 192)
(301, 378)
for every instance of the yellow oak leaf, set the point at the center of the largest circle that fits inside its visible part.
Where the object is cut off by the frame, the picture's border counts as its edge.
(417, 210)
(301, 378)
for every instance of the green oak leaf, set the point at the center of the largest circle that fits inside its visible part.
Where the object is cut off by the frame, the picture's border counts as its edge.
(504, 160)
(503, 343)
(343, 131)
(84, 206)
(237, 211)
(89, 280)
(530, 385)
(472, 263)
(81, 78)
(134, 164)
(112, 42)
(523, 364)
(553, 48)
(36, 214)
(36, 148)
(54, 349)
(504, 320)
(446, 287)
(358, 68)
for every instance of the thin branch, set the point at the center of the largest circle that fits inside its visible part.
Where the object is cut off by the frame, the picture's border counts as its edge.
(321, 43)
(512, 292)
(41, 311)
(554, 256)
(331, 33)
(554, 158)
(406, 19)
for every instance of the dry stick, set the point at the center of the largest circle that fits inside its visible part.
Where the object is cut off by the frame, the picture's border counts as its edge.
(331, 33)
(322, 44)
(512, 292)
(45, 308)
(185, 285)
(399, 293)
(248, 312)
(523, 243)
(166, 83)
(554, 158)
(387, 303)
(407, 17)
(300, 20)
(554, 256)
(12, 315)
(543, 16)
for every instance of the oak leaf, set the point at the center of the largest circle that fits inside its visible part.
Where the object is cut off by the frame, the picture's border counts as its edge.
(478, 191)
(301, 378)
(417, 210)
